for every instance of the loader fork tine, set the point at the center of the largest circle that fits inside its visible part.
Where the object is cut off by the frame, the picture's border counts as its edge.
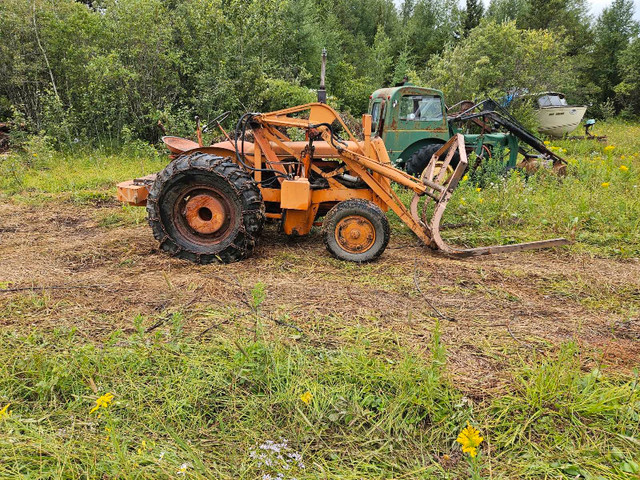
(440, 189)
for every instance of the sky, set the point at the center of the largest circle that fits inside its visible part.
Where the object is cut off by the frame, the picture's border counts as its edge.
(596, 6)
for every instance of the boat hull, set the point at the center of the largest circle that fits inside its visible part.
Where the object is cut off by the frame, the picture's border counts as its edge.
(558, 121)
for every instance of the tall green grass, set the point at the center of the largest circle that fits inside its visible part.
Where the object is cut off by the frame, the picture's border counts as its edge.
(204, 405)
(597, 204)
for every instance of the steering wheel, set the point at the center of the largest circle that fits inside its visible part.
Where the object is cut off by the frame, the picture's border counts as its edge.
(217, 120)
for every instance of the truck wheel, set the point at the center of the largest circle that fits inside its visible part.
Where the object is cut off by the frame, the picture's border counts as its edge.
(356, 230)
(205, 208)
(420, 159)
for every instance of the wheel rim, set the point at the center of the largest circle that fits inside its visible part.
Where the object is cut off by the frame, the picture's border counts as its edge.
(355, 234)
(204, 215)
(438, 167)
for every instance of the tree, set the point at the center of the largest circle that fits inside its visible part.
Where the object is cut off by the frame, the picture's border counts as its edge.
(403, 65)
(565, 17)
(430, 29)
(613, 31)
(497, 58)
(473, 15)
(506, 10)
(628, 90)
(406, 10)
(381, 58)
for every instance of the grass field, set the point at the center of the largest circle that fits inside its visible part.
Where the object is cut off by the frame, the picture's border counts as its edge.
(292, 359)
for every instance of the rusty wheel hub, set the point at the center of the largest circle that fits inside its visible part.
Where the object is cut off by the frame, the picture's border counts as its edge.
(204, 213)
(355, 234)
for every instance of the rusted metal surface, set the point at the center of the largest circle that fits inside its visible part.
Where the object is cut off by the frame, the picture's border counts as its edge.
(204, 213)
(135, 192)
(355, 234)
(179, 145)
(441, 186)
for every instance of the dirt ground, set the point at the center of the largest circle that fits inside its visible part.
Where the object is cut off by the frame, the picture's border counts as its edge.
(502, 308)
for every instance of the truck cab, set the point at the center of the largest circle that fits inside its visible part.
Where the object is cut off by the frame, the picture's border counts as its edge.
(407, 118)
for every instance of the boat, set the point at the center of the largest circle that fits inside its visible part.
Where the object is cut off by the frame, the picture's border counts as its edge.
(556, 117)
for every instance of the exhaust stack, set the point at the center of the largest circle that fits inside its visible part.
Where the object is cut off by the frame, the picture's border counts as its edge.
(322, 92)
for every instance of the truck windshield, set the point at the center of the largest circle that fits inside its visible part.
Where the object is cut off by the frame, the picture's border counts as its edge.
(425, 108)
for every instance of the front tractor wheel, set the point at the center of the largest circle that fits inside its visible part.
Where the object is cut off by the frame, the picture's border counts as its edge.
(356, 230)
(205, 208)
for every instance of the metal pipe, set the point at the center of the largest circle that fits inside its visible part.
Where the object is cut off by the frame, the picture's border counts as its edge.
(322, 92)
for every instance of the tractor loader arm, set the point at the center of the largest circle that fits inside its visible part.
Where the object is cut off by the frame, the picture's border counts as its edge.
(490, 110)
(436, 184)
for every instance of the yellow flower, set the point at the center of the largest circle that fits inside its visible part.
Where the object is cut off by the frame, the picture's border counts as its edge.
(622, 157)
(306, 397)
(478, 189)
(605, 184)
(35, 154)
(470, 440)
(465, 178)
(5, 412)
(142, 448)
(609, 148)
(103, 402)
(547, 142)
(480, 200)
(624, 168)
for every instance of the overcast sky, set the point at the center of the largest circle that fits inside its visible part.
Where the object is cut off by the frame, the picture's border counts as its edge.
(596, 6)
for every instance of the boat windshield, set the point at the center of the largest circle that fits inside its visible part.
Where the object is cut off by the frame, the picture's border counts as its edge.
(552, 101)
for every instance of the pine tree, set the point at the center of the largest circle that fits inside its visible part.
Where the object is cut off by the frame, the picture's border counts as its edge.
(506, 10)
(473, 15)
(567, 17)
(406, 10)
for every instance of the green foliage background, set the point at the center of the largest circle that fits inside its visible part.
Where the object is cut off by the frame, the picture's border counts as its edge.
(108, 70)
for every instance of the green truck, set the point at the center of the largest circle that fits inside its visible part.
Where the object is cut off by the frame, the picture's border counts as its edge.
(414, 122)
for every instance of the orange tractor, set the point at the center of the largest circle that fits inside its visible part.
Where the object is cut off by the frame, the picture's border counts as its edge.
(210, 202)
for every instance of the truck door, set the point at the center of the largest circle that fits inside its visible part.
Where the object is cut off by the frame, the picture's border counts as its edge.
(420, 117)
(376, 108)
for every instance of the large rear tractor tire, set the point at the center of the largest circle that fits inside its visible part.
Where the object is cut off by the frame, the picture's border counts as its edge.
(356, 230)
(205, 208)
(420, 159)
